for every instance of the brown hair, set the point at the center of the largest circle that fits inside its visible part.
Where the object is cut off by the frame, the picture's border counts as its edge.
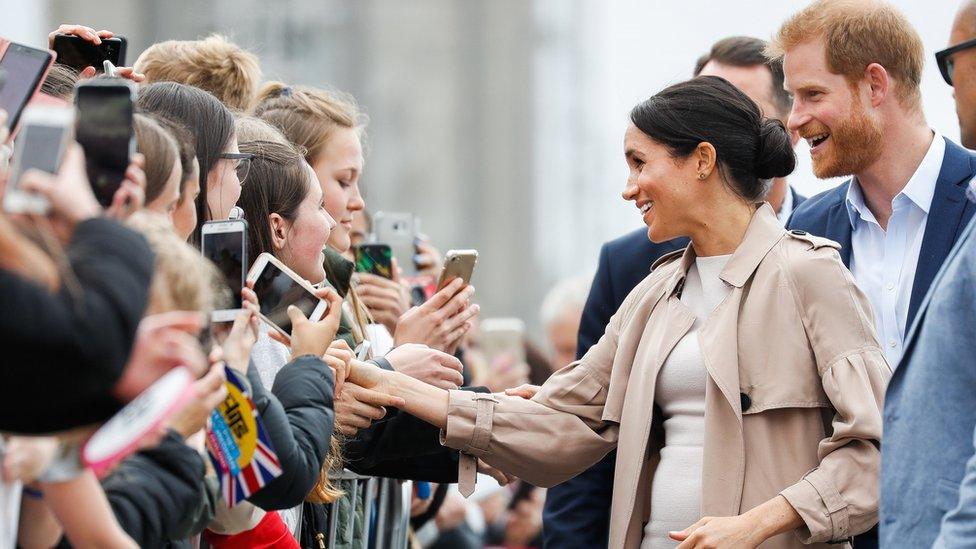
(214, 64)
(857, 33)
(307, 116)
(185, 147)
(746, 51)
(277, 182)
(160, 151)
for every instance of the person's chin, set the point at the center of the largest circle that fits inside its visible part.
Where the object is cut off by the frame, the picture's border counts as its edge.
(339, 240)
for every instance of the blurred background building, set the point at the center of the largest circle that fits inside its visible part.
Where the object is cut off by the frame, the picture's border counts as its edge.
(498, 122)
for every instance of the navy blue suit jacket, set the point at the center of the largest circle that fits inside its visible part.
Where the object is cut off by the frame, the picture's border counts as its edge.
(826, 215)
(577, 512)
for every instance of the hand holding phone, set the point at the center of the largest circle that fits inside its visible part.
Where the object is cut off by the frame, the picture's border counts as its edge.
(41, 146)
(313, 338)
(458, 264)
(80, 51)
(279, 288)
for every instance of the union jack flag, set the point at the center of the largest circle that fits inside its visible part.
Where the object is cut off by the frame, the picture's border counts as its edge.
(238, 445)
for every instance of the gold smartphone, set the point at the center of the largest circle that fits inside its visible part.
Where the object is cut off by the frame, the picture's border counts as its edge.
(458, 264)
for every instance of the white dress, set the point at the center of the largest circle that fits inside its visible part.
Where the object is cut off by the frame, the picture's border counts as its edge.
(680, 394)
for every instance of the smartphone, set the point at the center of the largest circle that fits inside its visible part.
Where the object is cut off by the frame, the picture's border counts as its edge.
(277, 287)
(78, 53)
(104, 129)
(25, 69)
(458, 264)
(225, 244)
(374, 258)
(45, 135)
(503, 336)
(399, 231)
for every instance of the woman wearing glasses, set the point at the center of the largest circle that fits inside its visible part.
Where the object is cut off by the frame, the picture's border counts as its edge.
(223, 168)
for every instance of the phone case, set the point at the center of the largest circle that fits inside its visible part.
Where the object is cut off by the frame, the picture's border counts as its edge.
(375, 259)
(458, 264)
(259, 265)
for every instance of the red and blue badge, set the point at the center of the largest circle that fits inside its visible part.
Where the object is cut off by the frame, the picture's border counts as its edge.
(238, 445)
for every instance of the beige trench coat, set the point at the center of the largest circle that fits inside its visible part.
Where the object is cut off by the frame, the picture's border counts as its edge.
(793, 399)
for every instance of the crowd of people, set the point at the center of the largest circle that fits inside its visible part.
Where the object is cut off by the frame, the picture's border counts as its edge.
(751, 368)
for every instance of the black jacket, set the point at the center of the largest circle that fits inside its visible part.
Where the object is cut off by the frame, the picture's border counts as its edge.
(65, 351)
(156, 494)
(298, 416)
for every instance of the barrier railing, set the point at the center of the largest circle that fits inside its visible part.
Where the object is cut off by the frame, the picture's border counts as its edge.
(386, 512)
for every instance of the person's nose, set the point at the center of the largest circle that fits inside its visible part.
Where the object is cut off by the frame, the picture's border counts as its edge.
(630, 191)
(798, 117)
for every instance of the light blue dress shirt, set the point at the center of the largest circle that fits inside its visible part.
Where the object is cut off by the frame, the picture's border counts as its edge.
(884, 262)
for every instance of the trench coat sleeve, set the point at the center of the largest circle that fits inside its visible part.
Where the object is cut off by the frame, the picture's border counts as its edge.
(839, 498)
(557, 434)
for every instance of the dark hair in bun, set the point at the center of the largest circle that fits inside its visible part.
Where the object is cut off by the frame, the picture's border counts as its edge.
(750, 149)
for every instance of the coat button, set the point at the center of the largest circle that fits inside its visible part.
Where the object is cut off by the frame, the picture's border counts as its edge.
(745, 400)
(798, 232)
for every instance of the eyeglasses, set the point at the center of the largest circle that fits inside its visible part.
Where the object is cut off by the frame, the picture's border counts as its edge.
(944, 59)
(242, 163)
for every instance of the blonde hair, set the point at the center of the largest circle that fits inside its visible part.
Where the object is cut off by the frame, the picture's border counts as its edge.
(214, 64)
(183, 279)
(308, 116)
(252, 129)
(857, 33)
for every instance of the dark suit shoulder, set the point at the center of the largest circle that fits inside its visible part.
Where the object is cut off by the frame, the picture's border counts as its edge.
(636, 246)
(812, 213)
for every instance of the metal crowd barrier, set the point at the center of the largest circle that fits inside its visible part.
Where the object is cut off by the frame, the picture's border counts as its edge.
(386, 506)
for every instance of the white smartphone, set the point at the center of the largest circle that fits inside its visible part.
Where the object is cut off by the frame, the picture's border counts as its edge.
(277, 287)
(503, 336)
(399, 231)
(225, 244)
(44, 135)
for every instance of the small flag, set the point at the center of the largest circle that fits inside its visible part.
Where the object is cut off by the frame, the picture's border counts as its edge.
(238, 444)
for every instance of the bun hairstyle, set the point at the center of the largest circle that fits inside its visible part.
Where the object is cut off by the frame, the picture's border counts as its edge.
(750, 150)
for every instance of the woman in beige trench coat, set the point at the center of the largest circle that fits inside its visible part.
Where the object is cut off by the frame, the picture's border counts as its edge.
(790, 375)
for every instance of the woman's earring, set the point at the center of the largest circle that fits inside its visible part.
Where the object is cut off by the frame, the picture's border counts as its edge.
(701, 176)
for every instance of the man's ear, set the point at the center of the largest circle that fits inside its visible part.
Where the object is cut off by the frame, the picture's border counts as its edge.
(279, 230)
(879, 83)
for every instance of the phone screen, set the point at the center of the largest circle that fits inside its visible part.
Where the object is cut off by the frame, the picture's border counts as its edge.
(78, 53)
(276, 291)
(41, 148)
(23, 67)
(374, 258)
(226, 250)
(104, 130)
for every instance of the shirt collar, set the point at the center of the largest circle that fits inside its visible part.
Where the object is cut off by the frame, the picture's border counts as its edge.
(919, 190)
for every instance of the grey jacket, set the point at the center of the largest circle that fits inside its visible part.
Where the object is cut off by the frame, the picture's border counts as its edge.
(928, 469)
